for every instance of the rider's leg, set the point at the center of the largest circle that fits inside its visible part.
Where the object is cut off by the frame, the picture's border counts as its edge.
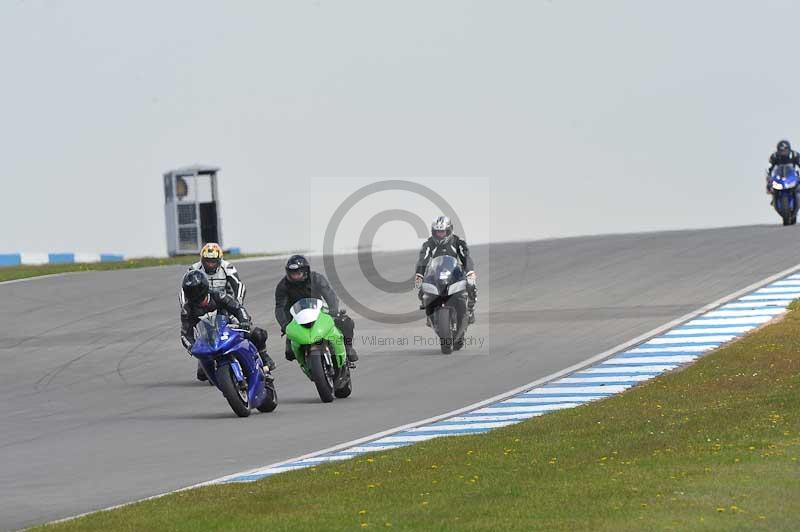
(289, 354)
(472, 295)
(201, 374)
(259, 338)
(347, 327)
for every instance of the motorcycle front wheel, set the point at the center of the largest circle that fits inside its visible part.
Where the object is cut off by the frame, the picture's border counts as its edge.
(236, 396)
(444, 329)
(319, 374)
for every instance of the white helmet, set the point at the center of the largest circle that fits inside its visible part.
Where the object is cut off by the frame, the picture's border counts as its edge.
(442, 229)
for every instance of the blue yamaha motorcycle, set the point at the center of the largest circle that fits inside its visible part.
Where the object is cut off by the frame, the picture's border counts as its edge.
(784, 192)
(232, 364)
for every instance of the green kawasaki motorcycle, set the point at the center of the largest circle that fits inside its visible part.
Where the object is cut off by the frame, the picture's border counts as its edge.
(318, 347)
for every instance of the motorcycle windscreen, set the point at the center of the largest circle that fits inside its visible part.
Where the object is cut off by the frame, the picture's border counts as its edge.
(205, 336)
(307, 310)
(785, 172)
(443, 271)
(213, 335)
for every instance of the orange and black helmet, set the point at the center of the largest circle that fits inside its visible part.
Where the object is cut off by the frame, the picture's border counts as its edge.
(211, 257)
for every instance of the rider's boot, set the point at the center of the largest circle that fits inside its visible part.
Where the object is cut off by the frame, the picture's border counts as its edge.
(201, 374)
(352, 355)
(267, 360)
(471, 311)
(289, 353)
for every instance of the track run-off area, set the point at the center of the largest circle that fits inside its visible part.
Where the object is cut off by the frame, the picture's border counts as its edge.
(100, 405)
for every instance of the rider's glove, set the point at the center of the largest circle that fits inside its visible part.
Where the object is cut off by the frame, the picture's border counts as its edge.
(244, 325)
(471, 277)
(417, 281)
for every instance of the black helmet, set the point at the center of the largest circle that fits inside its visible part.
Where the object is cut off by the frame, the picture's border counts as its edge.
(441, 229)
(784, 147)
(295, 264)
(195, 286)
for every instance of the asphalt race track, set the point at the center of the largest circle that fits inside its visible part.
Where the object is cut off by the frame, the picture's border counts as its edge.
(99, 404)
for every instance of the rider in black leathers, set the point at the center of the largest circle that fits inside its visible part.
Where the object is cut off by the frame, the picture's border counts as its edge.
(198, 300)
(299, 283)
(783, 155)
(443, 242)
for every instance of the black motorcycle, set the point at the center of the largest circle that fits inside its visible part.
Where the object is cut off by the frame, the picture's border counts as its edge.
(444, 297)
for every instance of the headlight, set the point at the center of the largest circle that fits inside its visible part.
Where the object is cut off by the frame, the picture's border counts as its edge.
(455, 288)
(428, 288)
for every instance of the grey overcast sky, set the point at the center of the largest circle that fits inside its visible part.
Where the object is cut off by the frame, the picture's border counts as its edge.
(574, 117)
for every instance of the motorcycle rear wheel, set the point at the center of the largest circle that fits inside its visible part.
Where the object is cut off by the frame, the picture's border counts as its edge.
(270, 402)
(347, 389)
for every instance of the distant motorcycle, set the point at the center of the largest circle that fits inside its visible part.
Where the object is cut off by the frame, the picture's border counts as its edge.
(444, 297)
(233, 365)
(313, 330)
(783, 183)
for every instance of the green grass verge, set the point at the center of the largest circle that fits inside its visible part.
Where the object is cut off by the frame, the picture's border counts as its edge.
(11, 273)
(712, 447)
